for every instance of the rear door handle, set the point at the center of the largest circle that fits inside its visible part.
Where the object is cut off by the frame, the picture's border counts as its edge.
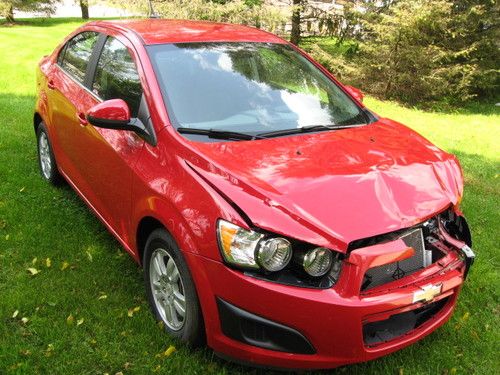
(51, 85)
(82, 119)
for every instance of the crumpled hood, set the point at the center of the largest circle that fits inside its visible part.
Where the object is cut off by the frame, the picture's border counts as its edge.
(331, 188)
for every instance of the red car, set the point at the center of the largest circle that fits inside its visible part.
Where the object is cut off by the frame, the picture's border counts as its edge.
(276, 218)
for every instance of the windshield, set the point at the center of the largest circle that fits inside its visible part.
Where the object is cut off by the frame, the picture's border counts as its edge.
(250, 88)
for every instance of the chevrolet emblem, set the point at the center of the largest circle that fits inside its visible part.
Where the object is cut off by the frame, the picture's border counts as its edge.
(427, 293)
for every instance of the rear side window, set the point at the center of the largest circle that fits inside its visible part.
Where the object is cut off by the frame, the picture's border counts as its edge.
(116, 76)
(75, 55)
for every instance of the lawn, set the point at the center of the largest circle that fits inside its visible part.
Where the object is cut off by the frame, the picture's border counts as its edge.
(82, 308)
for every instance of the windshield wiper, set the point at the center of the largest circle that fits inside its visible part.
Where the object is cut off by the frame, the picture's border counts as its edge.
(305, 129)
(219, 134)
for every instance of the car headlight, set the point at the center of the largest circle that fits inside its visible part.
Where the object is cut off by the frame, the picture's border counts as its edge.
(237, 244)
(274, 254)
(318, 261)
(249, 249)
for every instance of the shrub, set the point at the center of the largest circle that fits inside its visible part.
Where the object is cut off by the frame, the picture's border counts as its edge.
(427, 50)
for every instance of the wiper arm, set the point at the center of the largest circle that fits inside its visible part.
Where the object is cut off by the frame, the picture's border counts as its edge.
(219, 134)
(305, 129)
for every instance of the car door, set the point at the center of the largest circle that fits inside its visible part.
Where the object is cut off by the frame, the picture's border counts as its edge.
(105, 157)
(68, 98)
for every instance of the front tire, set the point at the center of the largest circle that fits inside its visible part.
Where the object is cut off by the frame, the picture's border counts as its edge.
(170, 289)
(46, 159)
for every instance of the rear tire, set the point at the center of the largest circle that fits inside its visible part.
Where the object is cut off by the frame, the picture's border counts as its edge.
(170, 289)
(46, 159)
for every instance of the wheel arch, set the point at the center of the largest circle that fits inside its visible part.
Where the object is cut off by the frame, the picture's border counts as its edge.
(37, 119)
(146, 226)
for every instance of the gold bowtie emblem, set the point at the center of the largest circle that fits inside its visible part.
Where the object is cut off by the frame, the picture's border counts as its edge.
(427, 293)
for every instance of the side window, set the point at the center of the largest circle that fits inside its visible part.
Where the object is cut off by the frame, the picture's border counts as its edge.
(116, 76)
(60, 57)
(75, 55)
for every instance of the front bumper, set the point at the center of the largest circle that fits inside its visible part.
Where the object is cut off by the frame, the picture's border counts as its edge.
(337, 322)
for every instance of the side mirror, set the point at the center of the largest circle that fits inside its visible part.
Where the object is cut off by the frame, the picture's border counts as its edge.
(115, 114)
(110, 114)
(356, 93)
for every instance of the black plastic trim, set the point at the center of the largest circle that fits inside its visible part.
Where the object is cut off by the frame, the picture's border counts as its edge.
(251, 329)
(93, 61)
(398, 325)
(291, 278)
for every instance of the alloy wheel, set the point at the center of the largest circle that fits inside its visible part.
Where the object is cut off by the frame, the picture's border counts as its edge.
(168, 289)
(44, 155)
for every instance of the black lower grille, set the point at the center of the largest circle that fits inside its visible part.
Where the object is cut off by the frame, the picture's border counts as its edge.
(399, 324)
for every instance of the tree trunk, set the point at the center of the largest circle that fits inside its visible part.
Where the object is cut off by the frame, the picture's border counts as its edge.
(295, 34)
(9, 17)
(84, 6)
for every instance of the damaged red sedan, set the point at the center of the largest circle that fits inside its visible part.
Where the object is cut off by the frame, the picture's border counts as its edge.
(276, 218)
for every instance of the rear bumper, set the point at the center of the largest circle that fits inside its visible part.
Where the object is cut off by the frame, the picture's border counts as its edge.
(336, 322)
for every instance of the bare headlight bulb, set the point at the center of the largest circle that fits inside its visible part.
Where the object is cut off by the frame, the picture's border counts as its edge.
(318, 261)
(274, 254)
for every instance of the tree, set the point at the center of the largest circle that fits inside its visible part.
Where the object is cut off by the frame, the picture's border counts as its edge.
(7, 7)
(248, 12)
(421, 51)
(296, 19)
(84, 6)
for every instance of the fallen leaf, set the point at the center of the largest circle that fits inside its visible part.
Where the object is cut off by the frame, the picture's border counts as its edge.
(7, 237)
(70, 319)
(119, 373)
(15, 366)
(64, 265)
(126, 366)
(22, 189)
(49, 351)
(169, 351)
(35, 259)
(102, 296)
(48, 263)
(80, 321)
(15, 313)
(33, 271)
(131, 312)
(89, 256)
(465, 317)
(24, 320)
(25, 352)
(401, 371)
(453, 371)
(474, 335)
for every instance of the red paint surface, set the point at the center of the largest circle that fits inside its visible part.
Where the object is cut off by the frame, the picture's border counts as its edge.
(327, 188)
(113, 109)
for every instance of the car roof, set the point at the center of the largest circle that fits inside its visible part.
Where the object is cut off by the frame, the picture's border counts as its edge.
(161, 31)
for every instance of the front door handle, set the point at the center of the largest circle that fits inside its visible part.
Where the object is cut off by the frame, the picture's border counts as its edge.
(82, 119)
(51, 85)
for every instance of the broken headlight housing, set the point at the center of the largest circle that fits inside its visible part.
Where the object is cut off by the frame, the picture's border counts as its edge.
(456, 226)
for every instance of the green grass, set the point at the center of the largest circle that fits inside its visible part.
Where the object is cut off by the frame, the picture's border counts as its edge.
(38, 222)
(327, 44)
